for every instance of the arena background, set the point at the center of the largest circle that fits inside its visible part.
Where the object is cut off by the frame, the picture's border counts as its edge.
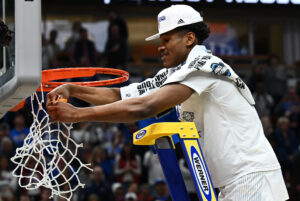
(260, 40)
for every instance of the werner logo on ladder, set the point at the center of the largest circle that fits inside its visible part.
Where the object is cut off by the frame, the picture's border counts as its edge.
(200, 172)
(162, 135)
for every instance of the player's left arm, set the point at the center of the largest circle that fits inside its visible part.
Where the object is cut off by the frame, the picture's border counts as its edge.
(129, 110)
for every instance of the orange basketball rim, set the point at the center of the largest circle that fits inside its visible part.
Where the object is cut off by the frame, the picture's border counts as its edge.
(51, 77)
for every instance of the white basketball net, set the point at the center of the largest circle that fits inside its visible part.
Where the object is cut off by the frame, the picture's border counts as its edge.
(48, 157)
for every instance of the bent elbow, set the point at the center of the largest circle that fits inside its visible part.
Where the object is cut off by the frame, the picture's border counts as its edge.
(146, 112)
(141, 110)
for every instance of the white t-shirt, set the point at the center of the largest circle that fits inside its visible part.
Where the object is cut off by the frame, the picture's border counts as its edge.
(231, 134)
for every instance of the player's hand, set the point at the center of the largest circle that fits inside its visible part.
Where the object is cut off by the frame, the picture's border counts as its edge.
(63, 112)
(61, 92)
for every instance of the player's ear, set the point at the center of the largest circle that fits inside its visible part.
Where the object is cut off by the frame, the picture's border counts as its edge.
(190, 39)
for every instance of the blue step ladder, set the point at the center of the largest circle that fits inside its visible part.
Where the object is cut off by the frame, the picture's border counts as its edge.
(164, 136)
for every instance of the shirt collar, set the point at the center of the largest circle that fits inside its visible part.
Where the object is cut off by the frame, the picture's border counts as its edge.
(195, 50)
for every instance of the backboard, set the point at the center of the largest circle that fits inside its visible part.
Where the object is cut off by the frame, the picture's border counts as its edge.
(20, 63)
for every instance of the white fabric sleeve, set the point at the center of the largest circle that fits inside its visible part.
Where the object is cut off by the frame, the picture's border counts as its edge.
(129, 91)
(146, 87)
(211, 65)
(198, 81)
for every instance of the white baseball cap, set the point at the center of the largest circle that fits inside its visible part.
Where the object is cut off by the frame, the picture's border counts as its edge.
(175, 16)
(130, 195)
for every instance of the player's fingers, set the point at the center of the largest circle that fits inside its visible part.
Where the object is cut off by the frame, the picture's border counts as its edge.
(51, 98)
(51, 109)
(53, 113)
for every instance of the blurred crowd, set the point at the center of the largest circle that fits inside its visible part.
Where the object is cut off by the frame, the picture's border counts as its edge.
(124, 172)
(276, 90)
(80, 51)
(121, 171)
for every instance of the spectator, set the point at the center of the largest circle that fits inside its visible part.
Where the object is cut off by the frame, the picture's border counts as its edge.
(294, 117)
(99, 158)
(286, 140)
(188, 180)
(66, 188)
(8, 194)
(54, 48)
(154, 170)
(6, 179)
(264, 101)
(256, 77)
(20, 131)
(82, 132)
(275, 77)
(267, 126)
(65, 172)
(281, 154)
(145, 194)
(133, 188)
(74, 37)
(109, 131)
(63, 199)
(96, 136)
(84, 174)
(84, 51)
(117, 143)
(45, 195)
(118, 192)
(97, 186)
(130, 196)
(94, 197)
(7, 149)
(98, 133)
(161, 190)
(128, 166)
(127, 130)
(50, 50)
(24, 197)
(285, 106)
(4, 130)
(32, 174)
(116, 49)
(46, 53)
(115, 19)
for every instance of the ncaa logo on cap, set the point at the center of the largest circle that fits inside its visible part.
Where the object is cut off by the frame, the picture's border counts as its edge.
(161, 18)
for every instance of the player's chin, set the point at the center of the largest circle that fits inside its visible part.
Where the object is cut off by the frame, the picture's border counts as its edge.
(167, 64)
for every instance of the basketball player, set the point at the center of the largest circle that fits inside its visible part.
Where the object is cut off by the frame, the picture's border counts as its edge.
(241, 161)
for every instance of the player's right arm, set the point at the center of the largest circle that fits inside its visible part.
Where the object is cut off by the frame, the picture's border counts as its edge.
(92, 95)
(102, 95)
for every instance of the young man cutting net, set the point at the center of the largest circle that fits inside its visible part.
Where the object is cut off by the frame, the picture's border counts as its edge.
(241, 161)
